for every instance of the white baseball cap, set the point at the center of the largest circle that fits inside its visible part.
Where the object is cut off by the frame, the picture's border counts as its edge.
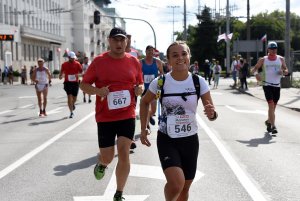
(72, 55)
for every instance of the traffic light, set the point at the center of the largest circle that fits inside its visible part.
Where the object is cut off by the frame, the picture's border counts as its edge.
(96, 17)
(4, 37)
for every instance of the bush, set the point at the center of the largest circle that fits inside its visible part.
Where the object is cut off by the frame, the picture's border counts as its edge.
(55, 72)
(16, 73)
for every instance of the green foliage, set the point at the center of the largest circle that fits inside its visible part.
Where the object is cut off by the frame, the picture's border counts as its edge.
(202, 38)
(296, 83)
(16, 73)
(55, 72)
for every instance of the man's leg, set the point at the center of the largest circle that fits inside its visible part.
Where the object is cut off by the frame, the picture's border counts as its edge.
(106, 155)
(271, 112)
(45, 94)
(123, 165)
(70, 102)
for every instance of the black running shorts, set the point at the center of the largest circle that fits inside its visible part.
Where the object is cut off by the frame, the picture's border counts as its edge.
(272, 93)
(71, 88)
(179, 152)
(107, 131)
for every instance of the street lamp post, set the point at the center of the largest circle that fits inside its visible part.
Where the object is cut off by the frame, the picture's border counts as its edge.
(137, 20)
(184, 21)
(227, 41)
(173, 7)
(287, 35)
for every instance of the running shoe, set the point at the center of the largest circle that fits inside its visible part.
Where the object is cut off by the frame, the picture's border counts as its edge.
(133, 145)
(274, 130)
(152, 121)
(99, 171)
(90, 100)
(268, 124)
(118, 198)
(71, 115)
(84, 100)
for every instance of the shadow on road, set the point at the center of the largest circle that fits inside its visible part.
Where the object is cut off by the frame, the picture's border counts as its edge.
(46, 122)
(62, 170)
(258, 141)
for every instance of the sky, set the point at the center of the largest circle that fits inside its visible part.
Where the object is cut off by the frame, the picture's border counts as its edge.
(159, 13)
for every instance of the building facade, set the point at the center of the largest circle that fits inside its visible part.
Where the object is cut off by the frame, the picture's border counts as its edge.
(49, 29)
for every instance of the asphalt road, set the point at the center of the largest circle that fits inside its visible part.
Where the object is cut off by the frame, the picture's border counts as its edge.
(52, 158)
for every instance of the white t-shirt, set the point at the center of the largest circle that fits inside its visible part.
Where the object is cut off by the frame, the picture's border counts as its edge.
(179, 116)
(85, 67)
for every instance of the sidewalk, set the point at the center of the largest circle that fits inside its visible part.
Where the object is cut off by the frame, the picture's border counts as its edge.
(289, 97)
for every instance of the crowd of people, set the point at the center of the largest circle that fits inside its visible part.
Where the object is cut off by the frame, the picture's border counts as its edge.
(176, 84)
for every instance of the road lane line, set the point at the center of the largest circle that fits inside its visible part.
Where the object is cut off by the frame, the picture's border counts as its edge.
(262, 112)
(5, 111)
(37, 150)
(24, 97)
(26, 106)
(237, 170)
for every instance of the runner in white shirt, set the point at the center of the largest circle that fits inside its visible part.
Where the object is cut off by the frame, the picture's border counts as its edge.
(85, 66)
(273, 68)
(42, 78)
(177, 139)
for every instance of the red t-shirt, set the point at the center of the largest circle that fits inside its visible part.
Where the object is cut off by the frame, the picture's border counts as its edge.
(71, 70)
(121, 75)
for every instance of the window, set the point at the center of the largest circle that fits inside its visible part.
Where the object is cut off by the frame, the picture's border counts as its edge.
(16, 17)
(17, 51)
(5, 14)
(29, 53)
(24, 52)
(1, 13)
(32, 22)
(1, 50)
(11, 16)
(37, 52)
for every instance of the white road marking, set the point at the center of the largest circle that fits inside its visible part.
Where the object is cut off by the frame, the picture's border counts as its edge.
(215, 93)
(237, 170)
(262, 112)
(5, 111)
(23, 107)
(23, 97)
(57, 110)
(26, 106)
(136, 170)
(37, 150)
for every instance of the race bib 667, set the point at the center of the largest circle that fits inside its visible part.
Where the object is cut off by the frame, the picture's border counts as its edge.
(118, 99)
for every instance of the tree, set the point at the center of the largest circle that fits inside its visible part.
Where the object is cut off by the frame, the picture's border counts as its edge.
(202, 38)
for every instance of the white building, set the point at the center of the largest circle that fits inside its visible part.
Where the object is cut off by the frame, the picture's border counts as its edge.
(46, 28)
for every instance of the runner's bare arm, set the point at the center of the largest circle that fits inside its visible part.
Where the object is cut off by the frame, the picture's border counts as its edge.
(258, 65)
(91, 90)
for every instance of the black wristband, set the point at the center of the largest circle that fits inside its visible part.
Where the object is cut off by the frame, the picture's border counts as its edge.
(214, 117)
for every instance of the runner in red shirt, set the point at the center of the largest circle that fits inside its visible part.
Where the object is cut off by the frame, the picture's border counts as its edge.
(70, 69)
(117, 76)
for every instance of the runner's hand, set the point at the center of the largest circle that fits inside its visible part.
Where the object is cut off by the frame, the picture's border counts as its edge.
(103, 92)
(144, 138)
(138, 90)
(209, 110)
